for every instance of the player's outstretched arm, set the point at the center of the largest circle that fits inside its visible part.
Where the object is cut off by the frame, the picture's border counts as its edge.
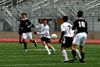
(31, 25)
(62, 34)
(40, 33)
(37, 27)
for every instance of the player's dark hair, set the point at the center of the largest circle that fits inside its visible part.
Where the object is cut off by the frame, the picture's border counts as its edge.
(80, 14)
(44, 19)
(24, 14)
(65, 18)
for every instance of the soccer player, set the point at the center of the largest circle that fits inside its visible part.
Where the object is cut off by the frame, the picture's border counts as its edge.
(20, 32)
(26, 27)
(45, 36)
(67, 37)
(81, 25)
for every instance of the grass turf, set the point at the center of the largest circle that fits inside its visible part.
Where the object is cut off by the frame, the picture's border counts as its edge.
(13, 55)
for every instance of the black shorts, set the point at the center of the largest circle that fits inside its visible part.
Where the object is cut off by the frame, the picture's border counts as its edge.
(67, 42)
(47, 40)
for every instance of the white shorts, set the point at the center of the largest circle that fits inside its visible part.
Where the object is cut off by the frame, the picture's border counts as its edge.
(27, 35)
(80, 39)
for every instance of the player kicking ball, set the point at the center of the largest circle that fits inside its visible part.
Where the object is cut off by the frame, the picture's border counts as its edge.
(26, 27)
(67, 37)
(81, 25)
(45, 37)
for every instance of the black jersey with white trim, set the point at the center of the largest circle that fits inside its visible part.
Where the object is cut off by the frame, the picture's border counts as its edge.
(81, 25)
(26, 25)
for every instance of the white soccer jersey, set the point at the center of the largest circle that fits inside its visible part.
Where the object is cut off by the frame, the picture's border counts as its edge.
(45, 31)
(67, 27)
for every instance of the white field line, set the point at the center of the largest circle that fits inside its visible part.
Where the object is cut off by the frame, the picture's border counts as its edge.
(49, 64)
(31, 56)
(31, 60)
(28, 56)
(32, 49)
(13, 55)
(44, 59)
(45, 50)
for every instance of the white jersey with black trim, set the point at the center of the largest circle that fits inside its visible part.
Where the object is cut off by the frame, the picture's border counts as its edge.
(45, 31)
(67, 28)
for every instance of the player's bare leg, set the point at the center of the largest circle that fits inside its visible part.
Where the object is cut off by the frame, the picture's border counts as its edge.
(82, 54)
(50, 46)
(64, 53)
(46, 47)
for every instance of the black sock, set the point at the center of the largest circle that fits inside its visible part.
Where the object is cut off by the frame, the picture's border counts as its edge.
(33, 41)
(82, 55)
(20, 40)
(25, 45)
(74, 53)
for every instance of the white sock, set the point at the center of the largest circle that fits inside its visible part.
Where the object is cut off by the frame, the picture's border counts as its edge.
(65, 55)
(78, 53)
(46, 47)
(53, 49)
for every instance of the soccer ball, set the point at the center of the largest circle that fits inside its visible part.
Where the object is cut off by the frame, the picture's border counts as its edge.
(54, 36)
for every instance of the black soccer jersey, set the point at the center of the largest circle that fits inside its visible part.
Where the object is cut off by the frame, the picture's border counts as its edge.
(26, 25)
(80, 25)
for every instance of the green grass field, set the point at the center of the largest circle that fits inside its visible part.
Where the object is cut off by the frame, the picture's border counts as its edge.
(13, 55)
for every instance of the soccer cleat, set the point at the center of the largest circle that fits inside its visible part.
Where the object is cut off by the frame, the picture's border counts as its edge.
(71, 61)
(65, 61)
(35, 43)
(25, 50)
(82, 60)
(49, 53)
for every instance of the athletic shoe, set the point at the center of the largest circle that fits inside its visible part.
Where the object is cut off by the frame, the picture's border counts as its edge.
(25, 50)
(71, 61)
(65, 61)
(82, 60)
(49, 53)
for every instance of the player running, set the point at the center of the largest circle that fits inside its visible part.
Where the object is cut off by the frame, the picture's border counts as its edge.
(67, 37)
(45, 36)
(81, 25)
(26, 28)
